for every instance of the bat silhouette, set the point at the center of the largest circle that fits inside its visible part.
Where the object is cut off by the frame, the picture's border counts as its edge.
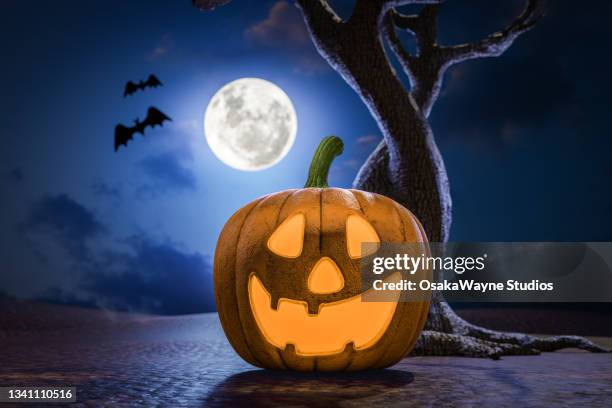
(123, 134)
(151, 82)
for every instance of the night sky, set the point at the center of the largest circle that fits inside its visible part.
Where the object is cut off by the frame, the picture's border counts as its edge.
(525, 136)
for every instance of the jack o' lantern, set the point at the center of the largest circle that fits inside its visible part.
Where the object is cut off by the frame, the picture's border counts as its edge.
(287, 277)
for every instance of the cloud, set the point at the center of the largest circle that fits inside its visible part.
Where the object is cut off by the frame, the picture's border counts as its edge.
(162, 48)
(16, 175)
(189, 126)
(65, 221)
(530, 87)
(103, 189)
(284, 29)
(207, 5)
(351, 163)
(66, 217)
(283, 26)
(166, 172)
(368, 139)
(84, 265)
(157, 278)
(496, 106)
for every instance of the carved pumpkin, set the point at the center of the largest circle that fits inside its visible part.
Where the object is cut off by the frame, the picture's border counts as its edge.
(288, 284)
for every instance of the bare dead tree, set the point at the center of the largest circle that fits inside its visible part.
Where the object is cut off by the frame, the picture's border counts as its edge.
(407, 165)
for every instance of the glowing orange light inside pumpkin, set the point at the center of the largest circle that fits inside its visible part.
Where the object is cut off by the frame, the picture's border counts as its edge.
(328, 332)
(288, 239)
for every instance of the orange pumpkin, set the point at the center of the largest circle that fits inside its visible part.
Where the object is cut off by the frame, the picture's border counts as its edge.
(288, 284)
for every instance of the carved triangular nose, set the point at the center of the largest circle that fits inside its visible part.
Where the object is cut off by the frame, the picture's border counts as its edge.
(325, 277)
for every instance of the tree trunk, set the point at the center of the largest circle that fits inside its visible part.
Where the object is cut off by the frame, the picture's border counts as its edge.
(410, 169)
(407, 165)
(445, 332)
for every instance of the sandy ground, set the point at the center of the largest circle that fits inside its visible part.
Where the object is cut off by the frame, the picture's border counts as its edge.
(135, 360)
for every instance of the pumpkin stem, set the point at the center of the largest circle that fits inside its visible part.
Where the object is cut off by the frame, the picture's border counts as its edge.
(328, 149)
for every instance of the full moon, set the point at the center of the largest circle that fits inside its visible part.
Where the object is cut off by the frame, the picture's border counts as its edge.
(250, 124)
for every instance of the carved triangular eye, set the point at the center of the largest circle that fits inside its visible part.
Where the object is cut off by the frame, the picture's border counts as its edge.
(359, 231)
(288, 239)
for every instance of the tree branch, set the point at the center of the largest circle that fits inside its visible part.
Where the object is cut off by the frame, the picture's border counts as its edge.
(377, 9)
(318, 13)
(208, 5)
(388, 4)
(323, 24)
(423, 26)
(406, 22)
(318, 9)
(390, 22)
(496, 44)
(425, 70)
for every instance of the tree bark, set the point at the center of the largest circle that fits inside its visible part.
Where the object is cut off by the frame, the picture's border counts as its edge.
(407, 165)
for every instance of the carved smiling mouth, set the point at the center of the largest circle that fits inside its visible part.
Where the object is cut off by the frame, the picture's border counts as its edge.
(328, 332)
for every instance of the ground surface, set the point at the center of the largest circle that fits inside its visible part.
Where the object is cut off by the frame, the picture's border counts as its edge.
(130, 360)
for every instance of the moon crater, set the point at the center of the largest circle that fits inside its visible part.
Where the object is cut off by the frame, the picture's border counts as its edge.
(250, 124)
